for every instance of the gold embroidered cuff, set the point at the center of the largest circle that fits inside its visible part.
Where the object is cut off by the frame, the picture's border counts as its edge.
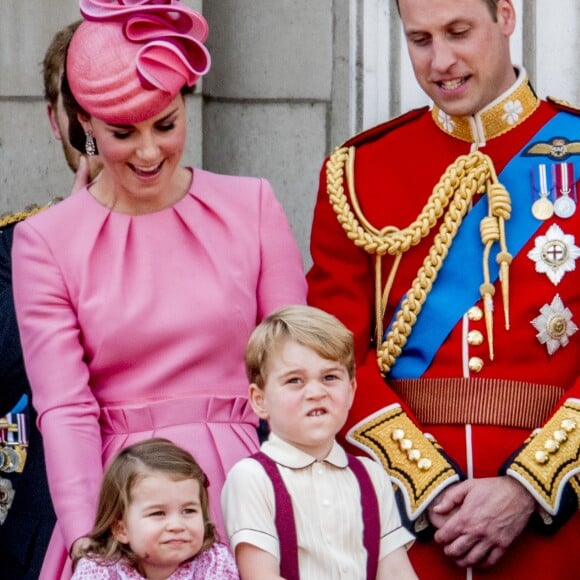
(412, 460)
(551, 458)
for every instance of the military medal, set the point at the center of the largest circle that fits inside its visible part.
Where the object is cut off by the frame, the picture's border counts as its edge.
(21, 446)
(554, 325)
(555, 253)
(564, 207)
(542, 208)
(14, 442)
(9, 459)
(564, 186)
(6, 498)
(21, 453)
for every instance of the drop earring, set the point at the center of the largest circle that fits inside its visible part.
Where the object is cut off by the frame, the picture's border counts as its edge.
(90, 147)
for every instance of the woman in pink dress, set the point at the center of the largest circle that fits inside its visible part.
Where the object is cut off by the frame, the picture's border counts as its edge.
(135, 297)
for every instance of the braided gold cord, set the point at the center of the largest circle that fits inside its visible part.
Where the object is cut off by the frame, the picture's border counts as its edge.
(451, 199)
(492, 230)
(501, 207)
(10, 218)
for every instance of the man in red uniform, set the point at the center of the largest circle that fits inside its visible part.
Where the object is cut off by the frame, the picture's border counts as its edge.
(447, 240)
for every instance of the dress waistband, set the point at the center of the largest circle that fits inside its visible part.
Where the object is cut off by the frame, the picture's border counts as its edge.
(151, 415)
(478, 401)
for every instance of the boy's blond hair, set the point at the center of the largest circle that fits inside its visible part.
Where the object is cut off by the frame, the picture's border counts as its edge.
(308, 326)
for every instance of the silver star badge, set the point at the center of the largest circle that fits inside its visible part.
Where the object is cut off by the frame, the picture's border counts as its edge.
(555, 254)
(554, 325)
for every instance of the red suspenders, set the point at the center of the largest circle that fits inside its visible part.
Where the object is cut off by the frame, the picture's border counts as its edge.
(286, 528)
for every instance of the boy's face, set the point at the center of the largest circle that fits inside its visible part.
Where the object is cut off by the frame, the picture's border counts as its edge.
(306, 398)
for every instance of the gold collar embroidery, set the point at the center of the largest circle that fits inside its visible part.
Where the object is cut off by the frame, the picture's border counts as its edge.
(506, 112)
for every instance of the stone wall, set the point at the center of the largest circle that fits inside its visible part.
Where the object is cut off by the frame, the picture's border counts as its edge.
(291, 79)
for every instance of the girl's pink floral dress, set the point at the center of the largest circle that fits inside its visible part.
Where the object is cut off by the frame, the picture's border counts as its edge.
(216, 563)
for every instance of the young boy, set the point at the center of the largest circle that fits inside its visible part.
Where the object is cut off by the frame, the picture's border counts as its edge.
(303, 508)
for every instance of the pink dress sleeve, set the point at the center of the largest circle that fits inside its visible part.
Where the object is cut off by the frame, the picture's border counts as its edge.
(282, 280)
(67, 410)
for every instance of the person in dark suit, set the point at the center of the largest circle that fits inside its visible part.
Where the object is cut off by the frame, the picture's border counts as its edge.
(26, 513)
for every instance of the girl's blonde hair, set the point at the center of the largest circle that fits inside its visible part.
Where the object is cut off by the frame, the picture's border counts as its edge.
(308, 326)
(127, 469)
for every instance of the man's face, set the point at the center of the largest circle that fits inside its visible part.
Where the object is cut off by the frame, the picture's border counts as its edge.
(60, 123)
(460, 55)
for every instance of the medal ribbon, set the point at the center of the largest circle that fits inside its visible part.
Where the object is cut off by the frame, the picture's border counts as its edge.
(462, 268)
(13, 441)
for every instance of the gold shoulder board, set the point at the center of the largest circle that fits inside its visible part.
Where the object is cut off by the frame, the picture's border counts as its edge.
(11, 218)
(564, 105)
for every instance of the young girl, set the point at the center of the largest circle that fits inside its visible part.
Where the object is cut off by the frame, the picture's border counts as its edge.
(153, 520)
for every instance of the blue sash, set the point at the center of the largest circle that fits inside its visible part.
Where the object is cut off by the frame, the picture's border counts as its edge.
(456, 288)
(21, 405)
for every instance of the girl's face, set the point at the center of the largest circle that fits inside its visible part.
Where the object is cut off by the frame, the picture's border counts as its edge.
(164, 523)
(141, 170)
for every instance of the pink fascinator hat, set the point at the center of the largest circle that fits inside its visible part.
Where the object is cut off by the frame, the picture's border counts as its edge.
(131, 58)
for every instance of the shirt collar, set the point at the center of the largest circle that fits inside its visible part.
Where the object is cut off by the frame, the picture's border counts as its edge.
(287, 455)
(503, 114)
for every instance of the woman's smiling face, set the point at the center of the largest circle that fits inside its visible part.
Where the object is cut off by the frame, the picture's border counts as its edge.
(140, 161)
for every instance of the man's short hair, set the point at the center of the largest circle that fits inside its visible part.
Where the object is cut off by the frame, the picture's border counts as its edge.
(54, 60)
(491, 4)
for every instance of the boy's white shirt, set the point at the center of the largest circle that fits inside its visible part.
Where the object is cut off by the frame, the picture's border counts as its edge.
(325, 496)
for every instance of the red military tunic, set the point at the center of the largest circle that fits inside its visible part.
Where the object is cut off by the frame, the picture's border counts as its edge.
(480, 411)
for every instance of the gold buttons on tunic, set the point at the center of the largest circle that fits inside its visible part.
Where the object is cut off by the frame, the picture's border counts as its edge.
(568, 425)
(552, 446)
(475, 313)
(398, 434)
(475, 364)
(560, 436)
(413, 454)
(474, 337)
